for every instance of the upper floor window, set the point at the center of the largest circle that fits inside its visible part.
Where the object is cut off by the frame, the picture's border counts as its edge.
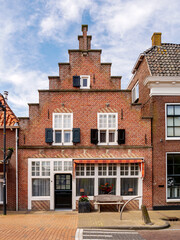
(84, 82)
(62, 128)
(135, 93)
(107, 128)
(173, 121)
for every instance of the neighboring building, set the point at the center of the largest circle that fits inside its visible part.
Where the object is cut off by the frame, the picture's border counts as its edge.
(156, 85)
(84, 132)
(11, 167)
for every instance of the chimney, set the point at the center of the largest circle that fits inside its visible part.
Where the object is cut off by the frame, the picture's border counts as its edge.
(156, 39)
(84, 40)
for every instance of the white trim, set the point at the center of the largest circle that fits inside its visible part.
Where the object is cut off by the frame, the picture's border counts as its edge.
(170, 200)
(107, 129)
(166, 137)
(135, 96)
(88, 81)
(17, 196)
(62, 129)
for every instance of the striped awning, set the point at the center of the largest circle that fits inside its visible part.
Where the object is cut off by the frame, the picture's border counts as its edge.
(84, 161)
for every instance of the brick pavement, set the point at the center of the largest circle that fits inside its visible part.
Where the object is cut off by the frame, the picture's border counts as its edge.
(39, 225)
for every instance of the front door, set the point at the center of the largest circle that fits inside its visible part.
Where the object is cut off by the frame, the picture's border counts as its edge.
(63, 190)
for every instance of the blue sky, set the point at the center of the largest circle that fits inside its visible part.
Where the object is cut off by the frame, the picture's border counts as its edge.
(36, 34)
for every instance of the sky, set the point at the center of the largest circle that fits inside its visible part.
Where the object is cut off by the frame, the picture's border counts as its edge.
(36, 34)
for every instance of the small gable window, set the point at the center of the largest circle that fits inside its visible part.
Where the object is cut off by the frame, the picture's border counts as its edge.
(84, 82)
(135, 93)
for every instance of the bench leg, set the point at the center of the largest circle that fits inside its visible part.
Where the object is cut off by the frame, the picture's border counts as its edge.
(118, 207)
(99, 210)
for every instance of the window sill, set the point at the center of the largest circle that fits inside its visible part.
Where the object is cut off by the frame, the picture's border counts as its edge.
(172, 138)
(107, 144)
(62, 144)
(173, 200)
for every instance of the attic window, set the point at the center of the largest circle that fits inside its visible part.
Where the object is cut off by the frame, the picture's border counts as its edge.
(84, 82)
(135, 93)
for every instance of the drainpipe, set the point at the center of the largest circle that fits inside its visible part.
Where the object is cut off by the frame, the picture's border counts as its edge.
(16, 169)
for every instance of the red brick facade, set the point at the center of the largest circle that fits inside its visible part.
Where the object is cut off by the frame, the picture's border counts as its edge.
(104, 96)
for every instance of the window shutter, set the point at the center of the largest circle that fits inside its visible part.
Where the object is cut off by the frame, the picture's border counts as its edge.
(76, 135)
(121, 136)
(49, 135)
(76, 81)
(94, 136)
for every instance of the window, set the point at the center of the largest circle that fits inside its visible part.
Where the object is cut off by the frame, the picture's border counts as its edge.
(86, 185)
(173, 176)
(84, 82)
(135, 93)
(173, 121)
(62, 126)
(40, 187)
(107, 186)
(57, 165)
(1, 188)
(107, 128)
(129, 179)
(67, 165)
(40, 174)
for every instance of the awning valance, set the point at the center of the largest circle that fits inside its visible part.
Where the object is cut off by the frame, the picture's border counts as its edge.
(108, 160)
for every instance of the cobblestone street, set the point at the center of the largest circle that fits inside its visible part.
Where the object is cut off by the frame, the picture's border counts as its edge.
(45, 226)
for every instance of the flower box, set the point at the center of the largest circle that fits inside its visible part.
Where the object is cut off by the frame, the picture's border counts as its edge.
(84, 207)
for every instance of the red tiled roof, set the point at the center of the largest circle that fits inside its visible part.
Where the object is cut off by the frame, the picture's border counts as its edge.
(11, 118)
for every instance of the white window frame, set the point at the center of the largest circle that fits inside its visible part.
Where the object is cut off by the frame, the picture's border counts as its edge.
(169, 138)
(135, 92)
(63, 129)
(1, 180)
(170, 200)
(107, 129)
(81, 81)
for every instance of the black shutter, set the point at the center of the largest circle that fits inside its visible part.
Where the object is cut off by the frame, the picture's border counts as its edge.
(49, 135)
(94, 136)
(76, 135)
(121, 136)
(76, 81)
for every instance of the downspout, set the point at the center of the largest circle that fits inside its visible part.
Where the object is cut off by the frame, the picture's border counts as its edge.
(16, 169)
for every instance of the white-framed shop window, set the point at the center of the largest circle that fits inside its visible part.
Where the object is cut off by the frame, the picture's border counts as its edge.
(172, 121)
(84, 81)
(107, 128)
(135, 93)
(173, 177)
(62, 128)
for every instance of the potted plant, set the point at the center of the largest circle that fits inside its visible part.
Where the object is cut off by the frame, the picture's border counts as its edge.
(84, 204)
(106, 188)
(9, 153)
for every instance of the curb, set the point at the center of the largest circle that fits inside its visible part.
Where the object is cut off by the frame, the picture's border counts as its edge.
(166, 225)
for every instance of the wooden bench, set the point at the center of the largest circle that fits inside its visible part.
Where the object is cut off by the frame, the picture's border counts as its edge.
(108, 199)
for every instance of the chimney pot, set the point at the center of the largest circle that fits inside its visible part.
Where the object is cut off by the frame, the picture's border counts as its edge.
(156, 39)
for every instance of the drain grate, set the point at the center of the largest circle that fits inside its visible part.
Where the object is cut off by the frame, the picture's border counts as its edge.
(172, 219)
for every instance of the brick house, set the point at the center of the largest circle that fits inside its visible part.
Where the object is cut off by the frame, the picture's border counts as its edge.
(11, 166)
(84, 132)
(156, 86)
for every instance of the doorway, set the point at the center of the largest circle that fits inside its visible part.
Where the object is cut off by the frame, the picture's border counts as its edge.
(63, 190)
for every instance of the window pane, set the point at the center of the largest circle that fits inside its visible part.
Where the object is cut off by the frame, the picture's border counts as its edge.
(112, 169)
(67, 121)
(40, 187)
(124, 169)
(170, 132)
(67, 135)
(90, 169)
(58, 121)
(84, 82)
(67, 166)
(177, 109)
(35, 168)
(85, 183)
(102, 169)
(170, 110)
(112, 121)
(102, 136)
(111, 136)
(58, 166)
(58, 136)
(107, 186)
(102, 121)
(177, 121)
(80, 170)
(170, 121)
(177, 131)
(129, 186)
(45, 168)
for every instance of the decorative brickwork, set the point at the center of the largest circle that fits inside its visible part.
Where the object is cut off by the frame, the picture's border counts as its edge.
(40, 205)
